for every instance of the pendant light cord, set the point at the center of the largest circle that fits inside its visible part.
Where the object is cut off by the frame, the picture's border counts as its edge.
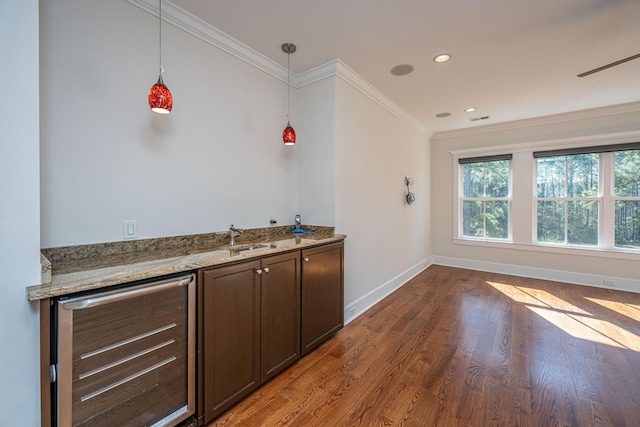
(160, 34)
(288, 85)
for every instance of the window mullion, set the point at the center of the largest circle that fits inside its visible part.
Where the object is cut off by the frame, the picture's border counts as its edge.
(607, 223)
(566, 201)
(484, 202)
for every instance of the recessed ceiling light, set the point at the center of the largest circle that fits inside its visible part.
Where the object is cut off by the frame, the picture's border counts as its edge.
(442, 115)
(470, 109)
(402, 70)
(443, 57)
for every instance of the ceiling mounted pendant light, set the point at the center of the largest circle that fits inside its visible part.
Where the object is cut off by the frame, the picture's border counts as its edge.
(160, 99)
(288, 135)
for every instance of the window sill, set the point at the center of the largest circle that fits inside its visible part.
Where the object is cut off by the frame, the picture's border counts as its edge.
(573, 250)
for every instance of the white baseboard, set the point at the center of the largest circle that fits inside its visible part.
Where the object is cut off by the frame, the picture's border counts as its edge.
(368, 300)
(598, 281)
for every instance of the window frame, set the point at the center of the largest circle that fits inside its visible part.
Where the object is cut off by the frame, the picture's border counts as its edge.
(598, 198)
(461, 162)
(615, 198)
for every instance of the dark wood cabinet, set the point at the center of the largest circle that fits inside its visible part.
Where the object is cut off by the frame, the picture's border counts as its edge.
(322, 294)
(250, 327)
(280, 313)
(258, 317)
(229, 314)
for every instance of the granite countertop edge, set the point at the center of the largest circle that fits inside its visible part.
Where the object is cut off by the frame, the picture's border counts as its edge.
(67, 280)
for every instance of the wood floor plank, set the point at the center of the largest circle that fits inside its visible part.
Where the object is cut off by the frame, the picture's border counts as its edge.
(457, 347)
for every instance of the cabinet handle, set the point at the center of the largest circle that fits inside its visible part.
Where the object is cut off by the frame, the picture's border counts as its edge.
(259, 271)
(266, 269)
(306, 259)
(138, 291)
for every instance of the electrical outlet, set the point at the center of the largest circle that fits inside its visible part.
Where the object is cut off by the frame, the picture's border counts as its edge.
(130, 229)
(609, 282)
(271, 219)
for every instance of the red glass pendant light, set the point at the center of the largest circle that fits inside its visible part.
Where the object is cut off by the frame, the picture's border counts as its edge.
(160, 98)
(288, 135)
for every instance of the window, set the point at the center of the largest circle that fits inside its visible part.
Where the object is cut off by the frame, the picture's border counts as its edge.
(578, 198)
(589, 196)
(485, 197)
(626, 196)
(568, 202)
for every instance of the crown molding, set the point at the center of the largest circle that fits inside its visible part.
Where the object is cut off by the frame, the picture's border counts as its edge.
(366, 88)
(341, 70)
(632, 107)
(204, 31)
(315, 74)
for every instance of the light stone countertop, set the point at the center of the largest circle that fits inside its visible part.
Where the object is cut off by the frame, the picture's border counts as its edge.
(104, 268)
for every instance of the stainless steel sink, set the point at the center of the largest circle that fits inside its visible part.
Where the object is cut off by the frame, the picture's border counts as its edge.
(240, 248)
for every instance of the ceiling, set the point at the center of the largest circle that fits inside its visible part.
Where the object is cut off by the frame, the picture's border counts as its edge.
(511, 59)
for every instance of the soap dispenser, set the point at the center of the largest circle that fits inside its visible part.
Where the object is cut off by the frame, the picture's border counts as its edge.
(298, 223)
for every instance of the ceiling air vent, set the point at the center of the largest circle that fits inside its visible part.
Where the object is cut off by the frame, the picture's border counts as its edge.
(477, 119)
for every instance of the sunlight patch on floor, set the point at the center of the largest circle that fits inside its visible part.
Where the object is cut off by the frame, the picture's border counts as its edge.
(630, 310)
(536, 296)
(589, 328)
(572, 319)
(616, 333)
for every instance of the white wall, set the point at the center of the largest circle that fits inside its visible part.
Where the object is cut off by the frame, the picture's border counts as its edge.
(388, 240)
(316, 152)
(584, 269)
(217, 159)
(354, 153)
(19, 212)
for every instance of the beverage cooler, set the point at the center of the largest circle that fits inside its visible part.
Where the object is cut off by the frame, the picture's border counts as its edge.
(125, 357)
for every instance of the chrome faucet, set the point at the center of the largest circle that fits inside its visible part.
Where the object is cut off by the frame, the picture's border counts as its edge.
(232, 234)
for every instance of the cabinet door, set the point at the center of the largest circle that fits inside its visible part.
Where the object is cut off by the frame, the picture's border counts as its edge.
(322, 294)
(231, 335)
(280, 312)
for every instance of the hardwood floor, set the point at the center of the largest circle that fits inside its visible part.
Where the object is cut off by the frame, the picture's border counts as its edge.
(458, 347)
